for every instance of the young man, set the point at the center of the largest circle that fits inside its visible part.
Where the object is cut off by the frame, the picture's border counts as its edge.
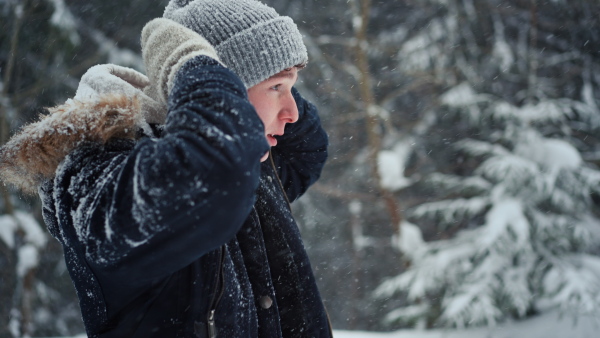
(182, 227)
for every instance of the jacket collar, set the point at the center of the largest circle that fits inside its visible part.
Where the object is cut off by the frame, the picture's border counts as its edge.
(33, 154)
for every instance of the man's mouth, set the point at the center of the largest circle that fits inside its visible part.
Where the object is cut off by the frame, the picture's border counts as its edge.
(271, 140)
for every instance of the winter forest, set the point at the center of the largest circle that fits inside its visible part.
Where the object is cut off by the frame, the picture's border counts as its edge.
(463, 184)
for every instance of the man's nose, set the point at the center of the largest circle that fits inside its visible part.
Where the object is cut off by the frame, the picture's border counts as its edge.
(289, 113)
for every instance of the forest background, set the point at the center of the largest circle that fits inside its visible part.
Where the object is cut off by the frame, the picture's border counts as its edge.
(463, 185)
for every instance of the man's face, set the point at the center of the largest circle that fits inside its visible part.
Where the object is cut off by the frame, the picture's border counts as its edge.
(275, 104)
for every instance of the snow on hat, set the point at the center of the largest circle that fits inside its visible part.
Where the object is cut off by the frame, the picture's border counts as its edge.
(249, 36)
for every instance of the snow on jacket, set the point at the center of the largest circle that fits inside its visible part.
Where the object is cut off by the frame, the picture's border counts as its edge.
(182, 233)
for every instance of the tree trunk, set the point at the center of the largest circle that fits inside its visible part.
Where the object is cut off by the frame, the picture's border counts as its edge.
(374, 132)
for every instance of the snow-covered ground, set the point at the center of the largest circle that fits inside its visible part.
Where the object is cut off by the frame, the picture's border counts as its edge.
(545, 326)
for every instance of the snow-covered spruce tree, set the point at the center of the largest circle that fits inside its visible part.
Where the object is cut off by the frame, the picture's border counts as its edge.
(516, 185)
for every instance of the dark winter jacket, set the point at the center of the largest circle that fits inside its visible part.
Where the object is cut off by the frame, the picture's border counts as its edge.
(182, 232)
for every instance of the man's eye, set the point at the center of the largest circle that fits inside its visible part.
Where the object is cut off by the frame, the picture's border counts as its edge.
(276, 87)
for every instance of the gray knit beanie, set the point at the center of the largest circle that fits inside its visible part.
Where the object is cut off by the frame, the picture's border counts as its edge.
(250, 37)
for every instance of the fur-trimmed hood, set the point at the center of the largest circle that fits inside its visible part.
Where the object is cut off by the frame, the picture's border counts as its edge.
(33, 154)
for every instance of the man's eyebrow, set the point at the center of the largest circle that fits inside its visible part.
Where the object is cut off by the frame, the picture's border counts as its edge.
(283, 74)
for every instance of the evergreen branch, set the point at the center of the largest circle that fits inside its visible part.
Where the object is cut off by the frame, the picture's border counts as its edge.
(480, 148)
(451, 211)
(451, 184)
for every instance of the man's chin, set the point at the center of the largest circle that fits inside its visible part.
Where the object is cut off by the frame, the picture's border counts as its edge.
(265, 157)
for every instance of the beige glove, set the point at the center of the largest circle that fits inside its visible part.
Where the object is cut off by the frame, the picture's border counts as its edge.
(166, 46)
(112, 79)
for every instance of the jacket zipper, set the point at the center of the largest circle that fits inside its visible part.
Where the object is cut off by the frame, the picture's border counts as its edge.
(219, 290)
(212, 328)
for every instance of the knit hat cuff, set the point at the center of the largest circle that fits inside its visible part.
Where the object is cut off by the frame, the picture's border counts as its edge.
(264, 50)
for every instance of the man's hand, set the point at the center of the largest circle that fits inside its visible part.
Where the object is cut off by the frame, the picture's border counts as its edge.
(166, 46)
(110, 79)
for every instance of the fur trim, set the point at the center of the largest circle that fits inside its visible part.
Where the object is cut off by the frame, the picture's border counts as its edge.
(34, 153)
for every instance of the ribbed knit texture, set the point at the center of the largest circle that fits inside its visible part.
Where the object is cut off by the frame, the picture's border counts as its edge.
(249, 37)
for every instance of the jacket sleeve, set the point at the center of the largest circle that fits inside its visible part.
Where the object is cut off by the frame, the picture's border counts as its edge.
(301, 152)
(168, 201)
